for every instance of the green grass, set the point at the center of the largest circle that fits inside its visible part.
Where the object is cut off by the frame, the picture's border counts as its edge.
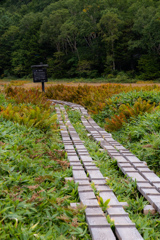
(34, 198)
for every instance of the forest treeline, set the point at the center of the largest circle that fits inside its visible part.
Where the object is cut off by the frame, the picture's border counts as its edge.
(80, 38)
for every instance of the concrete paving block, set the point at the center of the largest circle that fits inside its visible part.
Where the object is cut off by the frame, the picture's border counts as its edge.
(98, 221)
(99, 182)
(111, 196)
(157, 185)
(149, 191)
(136, 176)
(131, 169)
(94, 212)
(84, 189)
(127, 233)
(76, 163)
(85, 158)
(82, 182)
(120, 159)
(149, 209)
(66, 139)
(151, 177)
(79, 175)
(122, 221)
(103, 188)
(86, 195)
(90, 203)
(74, 167)
(95, 175)
(116, 211)
(80, 147)
(107, 147)
(72, 158)
(144, 185)
(154, 201)
(102, 233)
(132, 159)
(89, 164)
(144, 169)
(91, 168)
(120, 147)
(126, 165)
(69, 147)
(140, 164)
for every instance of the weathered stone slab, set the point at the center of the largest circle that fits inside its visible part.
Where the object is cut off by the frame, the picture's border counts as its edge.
(127, 233)
(151, 177)
(79, 175)
(72, 158)
(122, 221)
(76, 163)
(84, 189)
(136, 176)
(87, 168)
(144, 185)
(149, 209)
(125, 165)
(132, 159)
(93, 212)
(157, 185)
(80, 147)
(82, 182)
(155, 201)
(120, 159)
(87, 195)
(85, 158)
(95, 175)
(90, 203)
(69, 147)
(129, 169)
(144, 169)
(99, 182)
(116, 211)
(107, 146)
(100, 221)
(103, 188)
(111, 196)
(102, 233)
(77, 167)
(120, 147)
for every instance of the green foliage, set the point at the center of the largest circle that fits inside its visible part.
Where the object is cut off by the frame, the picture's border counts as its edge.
(31, 117)
(21, 95)
(94, 38)
(126, 112)
(35, 201)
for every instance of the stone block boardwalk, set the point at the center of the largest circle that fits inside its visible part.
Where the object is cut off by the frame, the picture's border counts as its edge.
(85, 172)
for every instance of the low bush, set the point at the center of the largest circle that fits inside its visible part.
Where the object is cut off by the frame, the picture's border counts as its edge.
(29, 116)
(33, 96)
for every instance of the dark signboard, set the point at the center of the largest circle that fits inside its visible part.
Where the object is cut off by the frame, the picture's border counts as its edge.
(39, 75)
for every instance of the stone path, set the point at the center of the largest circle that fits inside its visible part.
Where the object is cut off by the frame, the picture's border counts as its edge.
(85, 172)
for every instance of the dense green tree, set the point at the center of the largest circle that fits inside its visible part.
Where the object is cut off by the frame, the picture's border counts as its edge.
(84, 38)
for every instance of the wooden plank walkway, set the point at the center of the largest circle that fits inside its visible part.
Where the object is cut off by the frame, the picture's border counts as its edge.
(148, 183)
(85, 172)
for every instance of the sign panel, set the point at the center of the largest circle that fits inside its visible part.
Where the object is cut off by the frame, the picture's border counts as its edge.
(40, 75)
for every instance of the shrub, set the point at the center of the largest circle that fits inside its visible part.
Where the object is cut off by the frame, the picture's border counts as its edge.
(31, 117)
